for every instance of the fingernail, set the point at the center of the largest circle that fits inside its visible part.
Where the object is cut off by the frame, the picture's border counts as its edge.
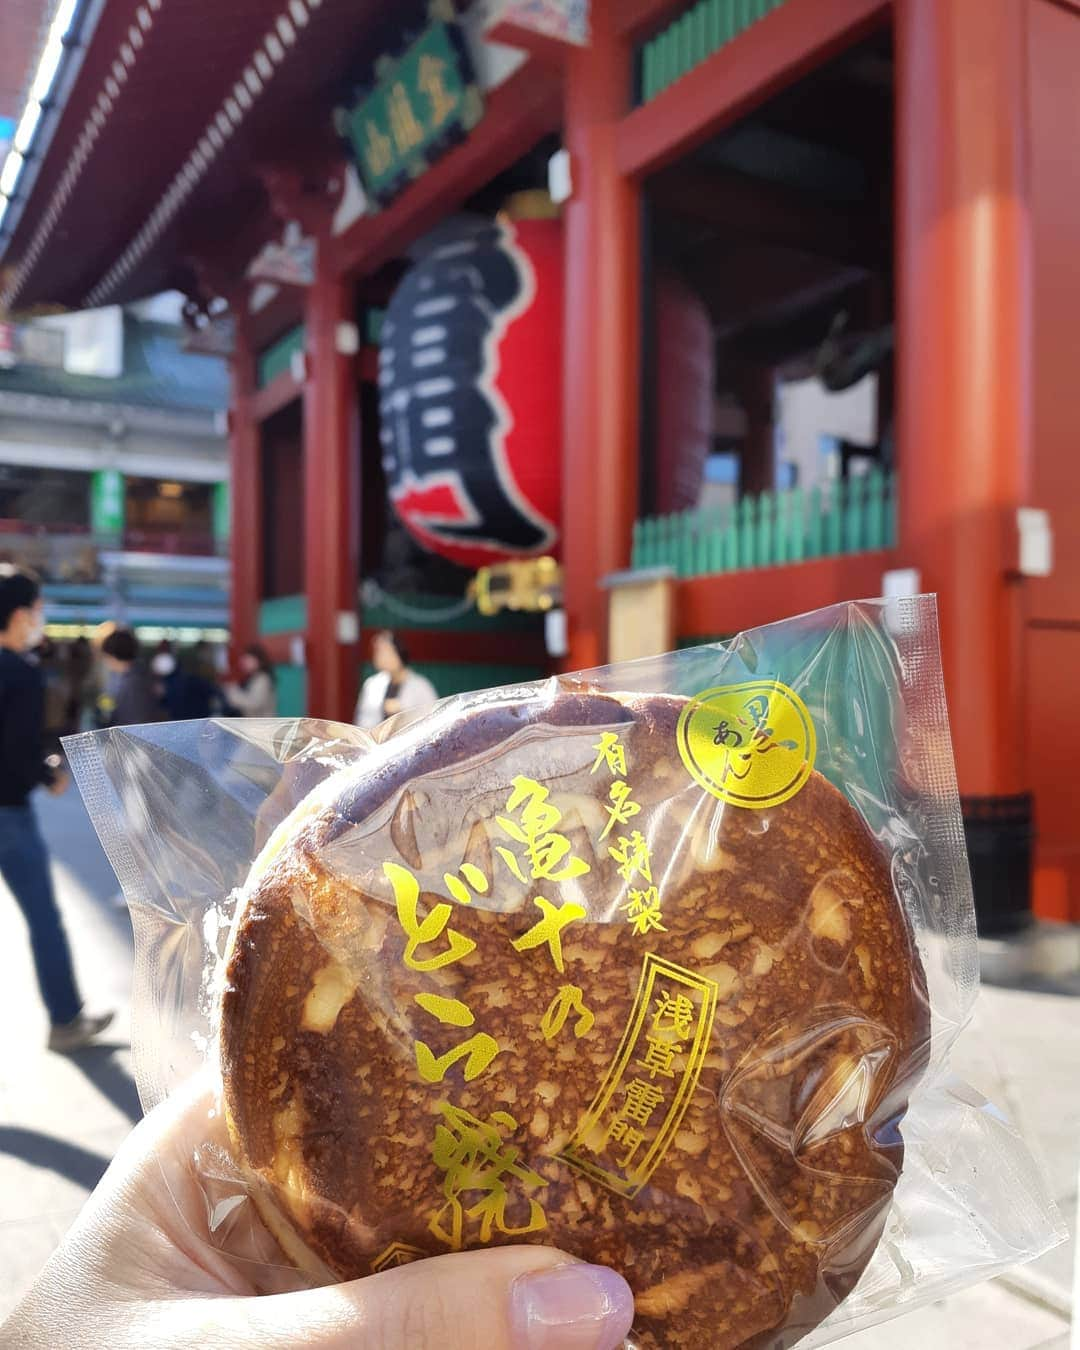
(573, 1307)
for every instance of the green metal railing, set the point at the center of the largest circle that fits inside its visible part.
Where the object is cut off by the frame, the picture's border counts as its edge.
(702, 30)
(853, 515)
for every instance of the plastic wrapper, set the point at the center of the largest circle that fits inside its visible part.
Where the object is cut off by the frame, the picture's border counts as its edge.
(660, 964)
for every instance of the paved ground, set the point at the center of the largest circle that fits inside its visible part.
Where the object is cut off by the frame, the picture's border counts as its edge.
(1022, 1051)
(61, 1118)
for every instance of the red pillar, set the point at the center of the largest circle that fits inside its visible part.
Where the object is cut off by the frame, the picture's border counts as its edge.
(601, 343)
(757, 394)
(964, 353)
(245, 496)
(331, 498)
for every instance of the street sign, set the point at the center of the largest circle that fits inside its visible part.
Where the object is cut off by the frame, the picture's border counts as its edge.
(422, 102)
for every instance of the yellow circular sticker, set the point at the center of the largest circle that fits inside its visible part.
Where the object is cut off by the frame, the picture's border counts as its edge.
(748, 744)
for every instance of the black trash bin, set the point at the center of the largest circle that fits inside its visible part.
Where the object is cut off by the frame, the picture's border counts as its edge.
(1000, 832)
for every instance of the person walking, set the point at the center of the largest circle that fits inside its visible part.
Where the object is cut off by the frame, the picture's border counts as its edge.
(24, 862)
(80, 669)
(49, 659)
(394, 687)
(168, 678)
(198, 692)
(133, 698)
(254, 695)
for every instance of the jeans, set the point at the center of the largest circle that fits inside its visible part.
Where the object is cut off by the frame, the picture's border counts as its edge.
(24, 866)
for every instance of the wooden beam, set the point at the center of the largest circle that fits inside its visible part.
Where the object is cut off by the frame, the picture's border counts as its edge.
(964, 359)
(246, 495)
(518, 114)
(496, 649)
(282, 312)
(638, 20)
(601, 338)
(724, 604)
(427, 644)
(331, 498)
(755, 387)
(769, 214)
(793, 39)
(301, 194)
(777, 343)
(278, 394)
(549, 51)
(218, 258)
(743, 293)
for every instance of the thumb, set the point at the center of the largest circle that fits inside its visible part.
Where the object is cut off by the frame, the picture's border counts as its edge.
(504, 1298)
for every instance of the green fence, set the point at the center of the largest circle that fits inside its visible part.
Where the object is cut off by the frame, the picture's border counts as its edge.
(291, 690)
(851, 515)
(283, 614)
(702, 30)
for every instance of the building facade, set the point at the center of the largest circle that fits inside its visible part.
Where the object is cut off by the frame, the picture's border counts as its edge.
(114, 475)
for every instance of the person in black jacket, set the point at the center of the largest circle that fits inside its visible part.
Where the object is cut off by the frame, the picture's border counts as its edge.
(200, 695)
(24, 863)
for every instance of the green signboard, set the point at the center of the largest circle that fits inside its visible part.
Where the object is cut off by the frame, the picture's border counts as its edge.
(107, 501)
(422, 102)
(221, 513)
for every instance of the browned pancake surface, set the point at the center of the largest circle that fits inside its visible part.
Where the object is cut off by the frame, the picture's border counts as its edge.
(767, 1198)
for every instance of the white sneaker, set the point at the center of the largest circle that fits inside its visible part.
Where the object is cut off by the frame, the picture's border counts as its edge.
(65, 1036)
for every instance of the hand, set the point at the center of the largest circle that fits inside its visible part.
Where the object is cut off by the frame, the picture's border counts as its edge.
(138, 1269)
(391, 706)
(60, 783)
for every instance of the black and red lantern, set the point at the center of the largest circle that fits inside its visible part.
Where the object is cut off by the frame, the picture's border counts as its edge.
(470, 391)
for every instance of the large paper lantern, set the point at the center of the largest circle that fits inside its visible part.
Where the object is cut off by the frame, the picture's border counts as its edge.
(470, 391)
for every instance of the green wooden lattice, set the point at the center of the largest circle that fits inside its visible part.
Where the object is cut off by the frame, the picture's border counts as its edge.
(855, 515)
(693, 37)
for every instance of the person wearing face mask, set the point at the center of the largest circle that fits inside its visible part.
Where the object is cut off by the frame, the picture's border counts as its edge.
(24, 862)
(168, 678)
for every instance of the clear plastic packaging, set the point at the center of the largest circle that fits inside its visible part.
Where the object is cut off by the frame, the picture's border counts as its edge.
(659, 963)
